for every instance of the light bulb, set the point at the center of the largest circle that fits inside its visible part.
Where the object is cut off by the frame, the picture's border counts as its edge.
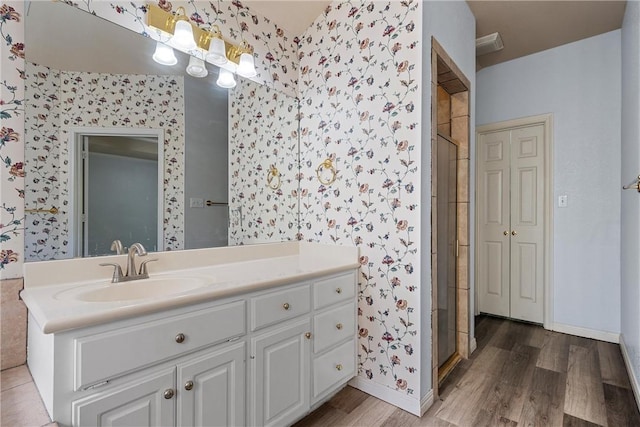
(225, 79)
(246, 67)
(164, 55)
(183, 36)
(196, 67)
(216, 54)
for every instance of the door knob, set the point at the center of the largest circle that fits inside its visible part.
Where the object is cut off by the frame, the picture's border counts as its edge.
(168, 393)
(505, 232)
(514, 233)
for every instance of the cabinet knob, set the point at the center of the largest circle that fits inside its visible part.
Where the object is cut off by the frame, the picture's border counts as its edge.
(514, 233)
(308, 335)
(338, 290)
(339, 367)
(188, 385)
(339, 326)
(505, 232)
(168, 393)
(286, 306)
(180, 338)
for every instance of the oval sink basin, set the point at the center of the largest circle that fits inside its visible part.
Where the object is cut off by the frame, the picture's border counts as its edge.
(137, 289)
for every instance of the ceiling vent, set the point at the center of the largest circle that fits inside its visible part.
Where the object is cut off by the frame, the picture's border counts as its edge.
(488, 44)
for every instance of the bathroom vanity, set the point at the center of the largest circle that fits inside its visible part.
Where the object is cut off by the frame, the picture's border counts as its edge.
(260, 336)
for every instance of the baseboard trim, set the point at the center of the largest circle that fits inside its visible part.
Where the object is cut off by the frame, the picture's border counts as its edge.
(586, 333)
(630, 371)
(426, 402)
(389, 395)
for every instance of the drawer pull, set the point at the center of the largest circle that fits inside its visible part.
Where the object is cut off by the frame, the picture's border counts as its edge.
(338, 290)
(339, 367)
(180, 338)
(188, 385)
(286, 306)
(339, 326)
(168, 393)
(308, 335)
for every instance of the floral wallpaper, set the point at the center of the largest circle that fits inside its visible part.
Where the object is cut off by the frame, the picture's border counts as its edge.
(274, 50)
(263, 132)
(360, 91)
(11, 139)
(58, 100)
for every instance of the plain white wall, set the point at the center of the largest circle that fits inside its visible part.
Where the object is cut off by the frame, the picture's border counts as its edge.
(454, 27)
(630, 236)
(580, 84)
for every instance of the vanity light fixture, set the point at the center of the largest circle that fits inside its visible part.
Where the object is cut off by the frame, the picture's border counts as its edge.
(217, 53)
(164, 54)
(225, 79)
(196, 67)
(210, 45)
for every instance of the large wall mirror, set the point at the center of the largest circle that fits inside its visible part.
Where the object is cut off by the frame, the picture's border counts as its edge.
(214, 167)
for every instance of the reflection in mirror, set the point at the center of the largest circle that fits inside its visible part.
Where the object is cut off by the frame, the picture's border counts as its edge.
(218, 145)
(115, 189)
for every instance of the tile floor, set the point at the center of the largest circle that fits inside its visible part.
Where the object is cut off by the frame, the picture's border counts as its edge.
(20, 402)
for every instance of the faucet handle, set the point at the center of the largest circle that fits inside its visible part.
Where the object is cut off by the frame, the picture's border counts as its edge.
(117, 271)
(143, 266)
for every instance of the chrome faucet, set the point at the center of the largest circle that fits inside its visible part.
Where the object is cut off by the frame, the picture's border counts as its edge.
(116, 246)
(131, 273)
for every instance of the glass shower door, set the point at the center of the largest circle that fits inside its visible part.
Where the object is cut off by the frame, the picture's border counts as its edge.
(447, 226)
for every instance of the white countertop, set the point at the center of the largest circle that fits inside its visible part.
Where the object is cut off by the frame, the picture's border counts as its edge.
(50, 286)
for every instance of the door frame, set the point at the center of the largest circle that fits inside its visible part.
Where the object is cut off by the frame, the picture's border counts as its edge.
(546, 120)
(76, 178)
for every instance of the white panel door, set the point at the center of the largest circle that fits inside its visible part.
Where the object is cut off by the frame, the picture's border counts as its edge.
(527, 223)
(279, 384)
(493, 222)
(211, 389)
(511, 223)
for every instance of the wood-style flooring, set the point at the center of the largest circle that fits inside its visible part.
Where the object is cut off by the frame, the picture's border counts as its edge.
(520, 375)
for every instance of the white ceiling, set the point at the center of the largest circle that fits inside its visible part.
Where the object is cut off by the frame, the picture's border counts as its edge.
(295, 16)
(526, 26)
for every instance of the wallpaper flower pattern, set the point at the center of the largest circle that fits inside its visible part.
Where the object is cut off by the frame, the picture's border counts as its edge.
(274, 49)
(58, 100)
(263, 126)
(360, 90)
(11, 139)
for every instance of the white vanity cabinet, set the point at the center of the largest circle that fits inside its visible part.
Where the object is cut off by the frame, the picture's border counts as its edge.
(258, 358)
(209, 391)
(305, 357)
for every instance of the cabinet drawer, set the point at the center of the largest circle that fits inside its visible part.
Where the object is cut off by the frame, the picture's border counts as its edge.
(277, 306)
(104, 356)
(333, 326)
(333, 290)
(334, 367)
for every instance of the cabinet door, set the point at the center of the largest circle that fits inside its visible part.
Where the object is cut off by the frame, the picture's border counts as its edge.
(280, 375)
(148, 401)
(211, 389)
